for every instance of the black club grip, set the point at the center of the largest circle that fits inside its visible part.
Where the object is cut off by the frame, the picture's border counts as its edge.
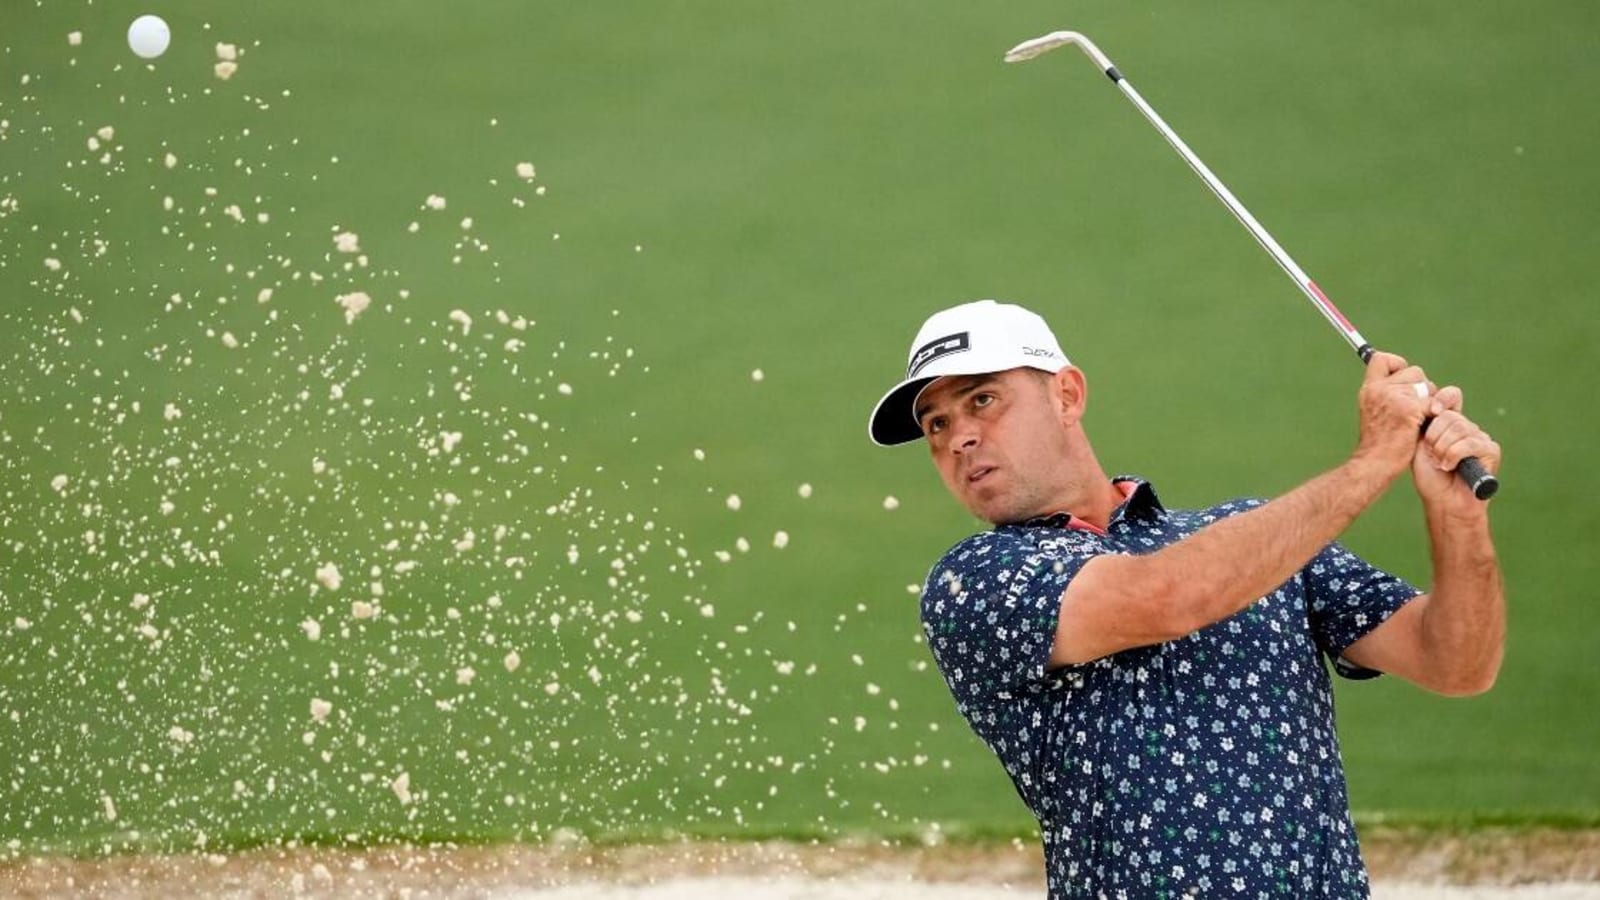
(1483, 484)
(1470, 470)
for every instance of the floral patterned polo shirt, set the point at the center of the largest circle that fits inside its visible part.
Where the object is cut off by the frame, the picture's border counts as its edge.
(1201, 767)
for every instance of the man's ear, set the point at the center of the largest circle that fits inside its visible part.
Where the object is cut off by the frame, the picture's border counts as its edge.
(1071, 392)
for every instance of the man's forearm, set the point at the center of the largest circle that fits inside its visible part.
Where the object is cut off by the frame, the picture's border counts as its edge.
(1227, 565)
(1464, 623)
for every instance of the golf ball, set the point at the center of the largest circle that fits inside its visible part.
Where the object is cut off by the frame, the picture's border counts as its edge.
(149, 36)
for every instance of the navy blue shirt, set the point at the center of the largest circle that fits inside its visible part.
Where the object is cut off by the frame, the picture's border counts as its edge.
(1201, 767)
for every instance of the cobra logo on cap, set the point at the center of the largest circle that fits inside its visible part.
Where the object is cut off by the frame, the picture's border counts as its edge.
(937, 348)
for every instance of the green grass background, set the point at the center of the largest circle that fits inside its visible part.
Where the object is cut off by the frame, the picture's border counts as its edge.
(789, 187)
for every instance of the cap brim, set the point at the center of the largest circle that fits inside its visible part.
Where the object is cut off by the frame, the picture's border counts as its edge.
(893, 419)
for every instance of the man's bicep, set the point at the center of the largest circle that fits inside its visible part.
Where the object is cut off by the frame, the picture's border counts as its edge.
(1394, 647)
(1110, 606)
(1349, 600)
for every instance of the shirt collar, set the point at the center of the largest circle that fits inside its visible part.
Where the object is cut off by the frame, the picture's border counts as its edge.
(1139, 502)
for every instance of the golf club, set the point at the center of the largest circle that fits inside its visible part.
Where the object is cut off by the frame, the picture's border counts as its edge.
(1471, 470)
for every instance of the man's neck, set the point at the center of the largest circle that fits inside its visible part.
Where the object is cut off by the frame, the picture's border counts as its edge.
(1097, 502)
(1091, 495)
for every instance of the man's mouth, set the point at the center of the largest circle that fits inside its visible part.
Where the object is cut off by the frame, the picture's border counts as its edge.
(978, 473)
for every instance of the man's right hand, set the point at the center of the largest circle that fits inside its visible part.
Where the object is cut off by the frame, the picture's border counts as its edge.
(1392, 411)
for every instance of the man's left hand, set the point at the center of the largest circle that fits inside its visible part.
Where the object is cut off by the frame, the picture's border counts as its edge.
(1448, 439)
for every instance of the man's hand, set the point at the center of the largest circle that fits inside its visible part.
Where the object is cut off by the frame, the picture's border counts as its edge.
(1393, 407)
(1451, 639)
(1450, 438)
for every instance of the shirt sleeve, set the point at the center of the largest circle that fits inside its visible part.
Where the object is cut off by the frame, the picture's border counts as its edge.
(990, 610)
(1348, 597)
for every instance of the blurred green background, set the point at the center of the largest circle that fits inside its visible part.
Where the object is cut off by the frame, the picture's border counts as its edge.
(721, 188)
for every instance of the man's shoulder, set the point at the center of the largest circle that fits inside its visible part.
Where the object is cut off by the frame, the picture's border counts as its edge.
(994, 557)
(983, 544)
(1010, 540)
(1223, 510)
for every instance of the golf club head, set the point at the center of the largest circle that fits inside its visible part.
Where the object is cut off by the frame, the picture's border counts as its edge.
(1029, 49)
(1039, 45)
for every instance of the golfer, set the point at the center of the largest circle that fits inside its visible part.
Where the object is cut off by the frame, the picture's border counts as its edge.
(1154, 680)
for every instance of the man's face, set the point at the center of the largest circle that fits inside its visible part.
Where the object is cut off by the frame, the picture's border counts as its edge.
(999, 441)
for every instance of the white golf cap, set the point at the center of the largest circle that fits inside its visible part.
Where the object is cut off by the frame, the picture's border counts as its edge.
(971, 339)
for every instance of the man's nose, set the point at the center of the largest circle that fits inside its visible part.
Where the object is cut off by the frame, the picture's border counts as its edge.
(966, 436)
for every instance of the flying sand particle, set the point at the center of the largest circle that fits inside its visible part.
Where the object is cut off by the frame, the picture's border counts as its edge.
(320, 709)
(354, 305)
(890, 503)
(328, 576)
(225, 69)
(734, 502)
(525, 171)
(805, 491)
(401, 785)
(780, 540)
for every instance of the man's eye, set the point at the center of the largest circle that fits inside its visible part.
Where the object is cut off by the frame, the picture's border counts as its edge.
(936, 424)
(982, 399)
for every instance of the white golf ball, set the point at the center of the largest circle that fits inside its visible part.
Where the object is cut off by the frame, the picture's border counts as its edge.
(149, 36)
